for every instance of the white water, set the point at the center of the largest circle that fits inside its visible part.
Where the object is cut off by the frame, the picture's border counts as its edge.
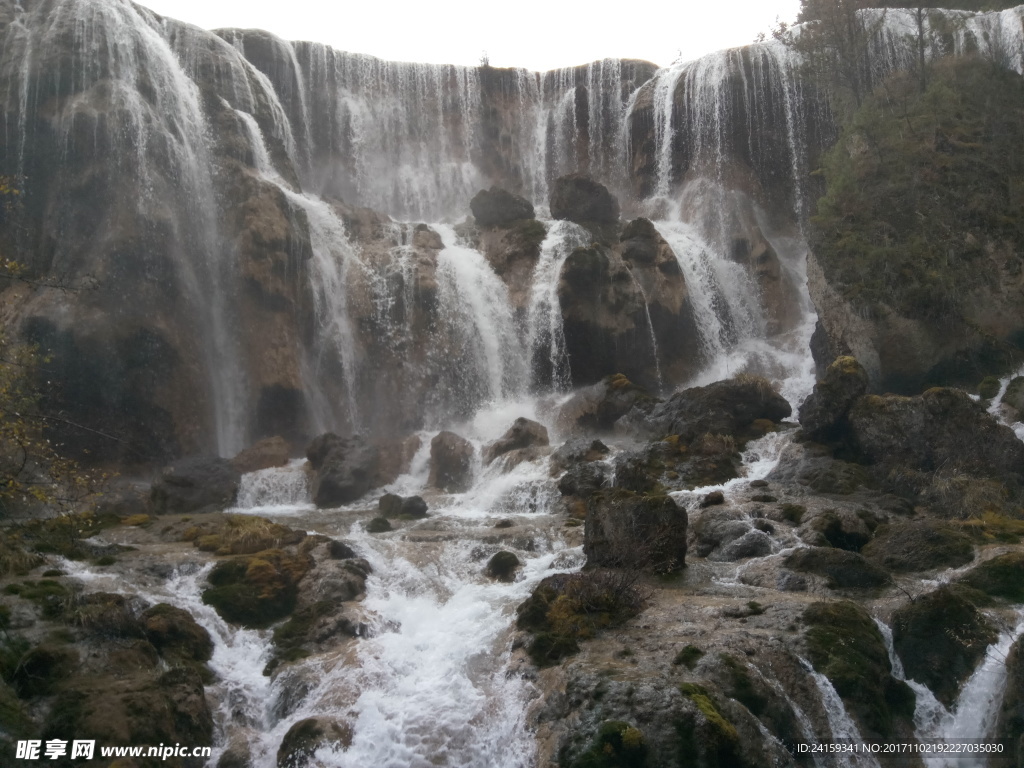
(843, 728)
(545, 336)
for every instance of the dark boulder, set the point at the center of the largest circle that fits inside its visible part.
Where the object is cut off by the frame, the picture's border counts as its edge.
(175, 634)
(583, 480)
(940, 429)
(629, 530)
(392, 505)
(726, 407)
(307, 736)
(503, 566)
(907, 546)
(596, 408)
(941, 637)
(194, 485)
(580, 199)
(451, 463)
(523, 433)
(577, 451)
(823, 412)
(414, 506)
(1014, 396)
(497, 207)
(345, 469)
(1010, 726)
(842, 569)
(1002, 576)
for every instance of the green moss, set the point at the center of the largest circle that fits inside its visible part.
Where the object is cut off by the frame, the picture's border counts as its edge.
(919, 545)
(742, 686)
(688, 656)
(794, 513)
(918, 185)
(720, 726)
(845, 645)
(617, 745)
(1002, 576)
(989, 387)
(255, 591)
(530, 233)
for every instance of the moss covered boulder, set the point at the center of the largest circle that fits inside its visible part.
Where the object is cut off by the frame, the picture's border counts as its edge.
(630, 530)
(503, 566)
(845, 645)
(908, 546)
(258, 590)
(1010, 725)
(616, 745)
(306, 736)
(175, 634)
(241, 535)
(841, 569)
(940, 639)
(1002, 576)
(823, 413)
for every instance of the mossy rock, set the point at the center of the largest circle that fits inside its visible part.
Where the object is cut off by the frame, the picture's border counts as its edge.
(291, 636)
(140, 709)
(941, 637)
(688, 656)
(617, 745)
(845, 645)
(706, 738)
(378, 525)
(175, 634)
(42, 669)
(14, 718)
(105, 614)
(793, 513)
(1002, 576)
(989, 387)
(837, 477)
(390, 505)
(840, 533)
(306, 736)
(503, 566)
(742, 686)
(50, 596)
(1014, 395)
(242, 535)
(918, 545)
(257, 590)
(842, 569)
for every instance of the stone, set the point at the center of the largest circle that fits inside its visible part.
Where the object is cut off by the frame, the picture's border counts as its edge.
(503, 566)
(256, 591)
(628, 530)
(305, 737)
(523, 433)
(576, 451)
(582, 200)
(451, 463)
(823, 412)
(195, 485)
(390, 505)
(713, 498)
(726, 408)
(498, 208)
(753, 543)
(340, 550)
(414, 507)
(1001, 576)
(268, 452)
(941, 637)
(1014, 395)
(379, 525)
(1010, 725)
(175, 633)
(842, 569)
(345, 469)
(598, 407)
(583, 480)
(907, 546)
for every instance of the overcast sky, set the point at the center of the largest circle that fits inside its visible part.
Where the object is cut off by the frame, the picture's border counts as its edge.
(536, 34)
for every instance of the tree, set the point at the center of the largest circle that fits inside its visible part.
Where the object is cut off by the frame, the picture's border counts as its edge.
(834, 42)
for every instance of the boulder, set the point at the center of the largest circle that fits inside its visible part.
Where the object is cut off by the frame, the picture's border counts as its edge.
(307, 736)
(726, 407)
(583, 480)
(392, 505)
(753, 543)
(257, 590)
(195, 485)
(497, 207)
(1014, 396)
(345, 469)
(451, 463)
(628, 530)
(940, 638)
(841, 569)
(577, 451)
(1001, 576)
(503, 566)
(175, 634)
(596, 408)
(523, 433)
(907, 546)
(414, 506)
(580, 199)
(717, 527)
(268, 452)
(940, 429)
(824, 410)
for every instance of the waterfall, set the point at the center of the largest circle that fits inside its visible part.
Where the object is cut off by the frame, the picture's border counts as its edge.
(545, 335)
(842, 726)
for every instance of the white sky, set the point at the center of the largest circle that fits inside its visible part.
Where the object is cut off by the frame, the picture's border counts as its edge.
(536, 34)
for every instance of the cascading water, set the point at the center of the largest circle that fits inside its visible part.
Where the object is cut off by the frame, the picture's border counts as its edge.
(842, 726)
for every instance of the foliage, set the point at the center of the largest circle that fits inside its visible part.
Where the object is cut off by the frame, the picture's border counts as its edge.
(617, 745)
(925, 196)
